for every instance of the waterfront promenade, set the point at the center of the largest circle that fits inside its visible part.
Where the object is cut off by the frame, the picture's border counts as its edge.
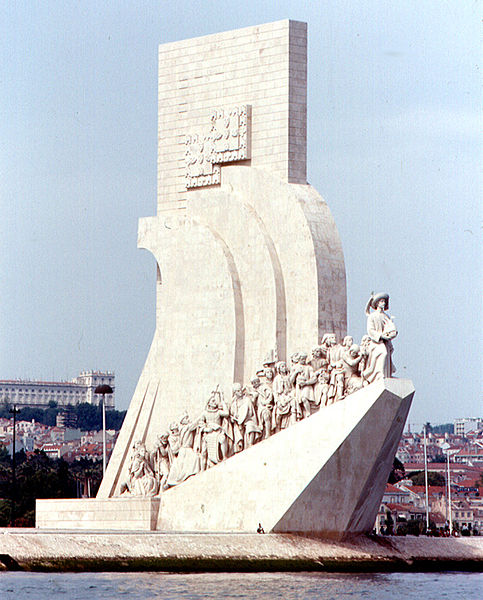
(30, 549)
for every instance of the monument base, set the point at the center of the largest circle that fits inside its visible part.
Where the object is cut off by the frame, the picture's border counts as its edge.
(324, 475)
(119, 514)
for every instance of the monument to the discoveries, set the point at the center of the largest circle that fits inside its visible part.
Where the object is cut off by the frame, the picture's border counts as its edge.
(233, 423)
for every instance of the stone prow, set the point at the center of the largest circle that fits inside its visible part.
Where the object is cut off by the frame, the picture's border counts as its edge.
(329, 471)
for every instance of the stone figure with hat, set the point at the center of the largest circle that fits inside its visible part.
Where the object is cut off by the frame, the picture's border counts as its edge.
(381, 330)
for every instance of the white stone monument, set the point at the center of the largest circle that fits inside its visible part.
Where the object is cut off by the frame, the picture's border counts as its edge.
(250, 271)
(249, 258)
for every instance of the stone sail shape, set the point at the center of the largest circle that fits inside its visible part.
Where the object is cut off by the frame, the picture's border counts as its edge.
(253, 267)
(324, 475)
(249, 260)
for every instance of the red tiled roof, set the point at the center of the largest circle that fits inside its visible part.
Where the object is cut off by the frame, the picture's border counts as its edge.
(469, 452)
(392, 489)
(469, 482)
(432, 489)
(405, 507)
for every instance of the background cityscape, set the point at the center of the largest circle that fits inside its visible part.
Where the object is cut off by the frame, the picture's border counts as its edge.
(395, 132)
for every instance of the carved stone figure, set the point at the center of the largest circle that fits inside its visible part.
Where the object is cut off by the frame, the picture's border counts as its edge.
(327, 344)
(160, 460)
(347, 342)
(351, 360)
(236, 400)
(364, 350)
(304, 387)
(318, 361)
(264, 402)
(284, 410)
(141, 480)
(295, 369)
(334, 352)
(214, 432)
(321, 389)
(243, 418)
(187, 461)
(381, 330)
(337, 378)
(174, 442)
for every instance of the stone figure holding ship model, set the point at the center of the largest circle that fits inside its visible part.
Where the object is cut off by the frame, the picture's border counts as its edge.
(381, 330)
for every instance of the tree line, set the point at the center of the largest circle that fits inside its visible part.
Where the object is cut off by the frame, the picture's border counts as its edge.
(38, 476)
(82, 416)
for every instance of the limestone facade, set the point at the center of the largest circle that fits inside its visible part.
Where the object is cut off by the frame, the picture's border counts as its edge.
(249, 260)
(263, 66)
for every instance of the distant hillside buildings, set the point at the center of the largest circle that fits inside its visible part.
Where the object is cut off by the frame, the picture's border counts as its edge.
(38, 394)
(404, 503)
(56, 442)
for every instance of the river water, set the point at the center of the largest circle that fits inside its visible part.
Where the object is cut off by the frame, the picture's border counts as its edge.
(286, 586)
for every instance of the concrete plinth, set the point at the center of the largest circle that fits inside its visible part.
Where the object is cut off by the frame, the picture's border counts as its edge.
(132, 514)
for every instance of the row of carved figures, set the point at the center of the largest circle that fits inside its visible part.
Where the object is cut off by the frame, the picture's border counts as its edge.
(278, 396)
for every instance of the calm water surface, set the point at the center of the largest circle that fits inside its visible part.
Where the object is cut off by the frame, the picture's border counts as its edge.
(323, 586)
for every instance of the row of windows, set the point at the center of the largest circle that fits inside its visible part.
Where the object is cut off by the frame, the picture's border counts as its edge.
(43, 392)
(40, 392)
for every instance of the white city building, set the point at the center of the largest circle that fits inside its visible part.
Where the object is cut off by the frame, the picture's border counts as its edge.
(22, 392)
(467, 424)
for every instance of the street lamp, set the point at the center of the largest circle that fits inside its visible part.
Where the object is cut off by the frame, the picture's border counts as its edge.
(103, 389)
(448, 451)
(14, 411)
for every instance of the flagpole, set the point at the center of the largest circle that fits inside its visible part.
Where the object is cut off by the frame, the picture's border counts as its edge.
(449, 498)
(426, 479)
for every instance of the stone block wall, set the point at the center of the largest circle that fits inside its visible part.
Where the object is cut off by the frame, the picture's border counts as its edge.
(263, 66)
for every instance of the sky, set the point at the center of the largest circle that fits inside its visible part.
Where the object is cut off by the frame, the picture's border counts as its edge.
(394, 147)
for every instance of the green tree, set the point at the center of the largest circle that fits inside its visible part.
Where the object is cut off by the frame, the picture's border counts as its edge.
(5, 409)
(389, 523)
(445, 428)
(434, 478)
(38, 476)
(415, 527)
(4, 456)
(114, 419)
(397, 472)
(88, 417)
(5, 512)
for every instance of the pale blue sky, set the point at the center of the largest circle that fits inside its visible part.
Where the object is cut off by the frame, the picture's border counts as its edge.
(395, 148)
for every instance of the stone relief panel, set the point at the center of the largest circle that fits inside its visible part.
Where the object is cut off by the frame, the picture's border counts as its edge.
(278, 396)
(228, 140)
(199, 164)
